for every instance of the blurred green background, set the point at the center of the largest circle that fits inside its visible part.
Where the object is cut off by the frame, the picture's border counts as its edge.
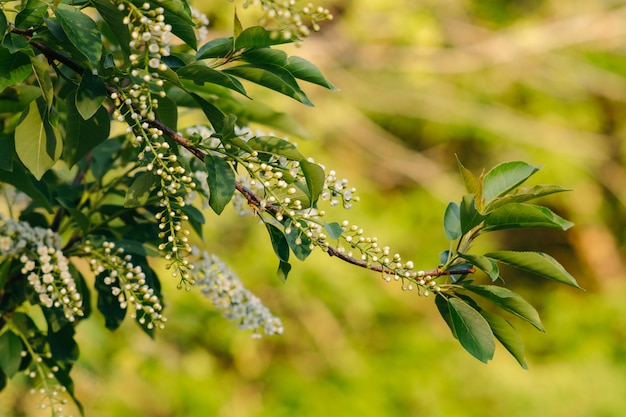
(489, 80)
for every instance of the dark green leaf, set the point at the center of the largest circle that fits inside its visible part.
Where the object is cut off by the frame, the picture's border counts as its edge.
(333, 229)
(452, 221)
(7, 144)
(15, 43)
(82, 32)
(304, 70)
(216, 48)
(470, 217)
(509, 301)
(109, 304)
(24, 181)
(14, 68)
(3, 30)
(522, 194)
(442, 306)
(507, 335)
(524, 216)
(488, 266)
(472, 330)
(276, 146)
(505, 177)
(180, 20)
(536, 262)
(283, 270)
(258, 36)
(90, 95)
(315, 178)
(139, 191)
(5, 267)
(297, 240)
(203, 74)
(62, 344)
(10, 353)
(215, 115)
(44, 80)
(279, 242)
(31, 15)
(272, 77)
(114, 19)
(36, 142)
(221, 182)
(265, 56)
(83, 135)
(167, 112)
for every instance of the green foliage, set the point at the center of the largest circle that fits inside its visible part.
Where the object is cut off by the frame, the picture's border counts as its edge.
(91, 98)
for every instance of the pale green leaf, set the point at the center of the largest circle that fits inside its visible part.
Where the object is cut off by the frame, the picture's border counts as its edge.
(44, 80)
(524, 216)
(333, 229)
(139, 191)
(304, 70)
(505, 177)
(523, 194)
(538, 263)
(509, 301)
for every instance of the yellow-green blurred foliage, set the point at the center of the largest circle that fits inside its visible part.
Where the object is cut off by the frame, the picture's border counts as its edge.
(489, 80)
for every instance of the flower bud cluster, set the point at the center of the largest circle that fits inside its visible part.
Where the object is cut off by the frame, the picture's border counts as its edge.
(202, 23)
(53, 394)
(43, 264)
(292, 17)
(127, 282)
(337, 191)
(222, 286)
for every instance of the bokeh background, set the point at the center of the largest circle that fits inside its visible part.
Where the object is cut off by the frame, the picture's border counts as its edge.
(543, 81)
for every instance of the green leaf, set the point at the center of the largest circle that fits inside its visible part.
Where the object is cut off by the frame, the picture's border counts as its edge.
(283, 270)
(444, 310)
(5, 267)
(315, 178)
(36, 142)
(109, 304)
(523, 194)
(297, 240)
(202, 74)
(256, 36)
(469, 215)
(265, 56)
(10, 353)
(83, 135)
(237, 27)
(167, 112)
(82, 32)
(216, 48)
(3, 31)
(505, 177)
(279, 242)
(139, 192)
(44, 80)
(304, 70)
(538, 263)
(276, 146)
(214, 114)
(114, 18)
(488, 266)
(15, 43)
(507, 335)
(272, 77)
(24, 181)
(90, 95)
(509, 301)
(14, 68)
(221, 182)
(7, 144)
(31, 15)
(524, 216)
(472, 185)
(333, 229)
(179, 18)
(472, 330)
(452, 221)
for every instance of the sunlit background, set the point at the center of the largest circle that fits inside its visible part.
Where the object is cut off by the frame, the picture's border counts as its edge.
(488, 80)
